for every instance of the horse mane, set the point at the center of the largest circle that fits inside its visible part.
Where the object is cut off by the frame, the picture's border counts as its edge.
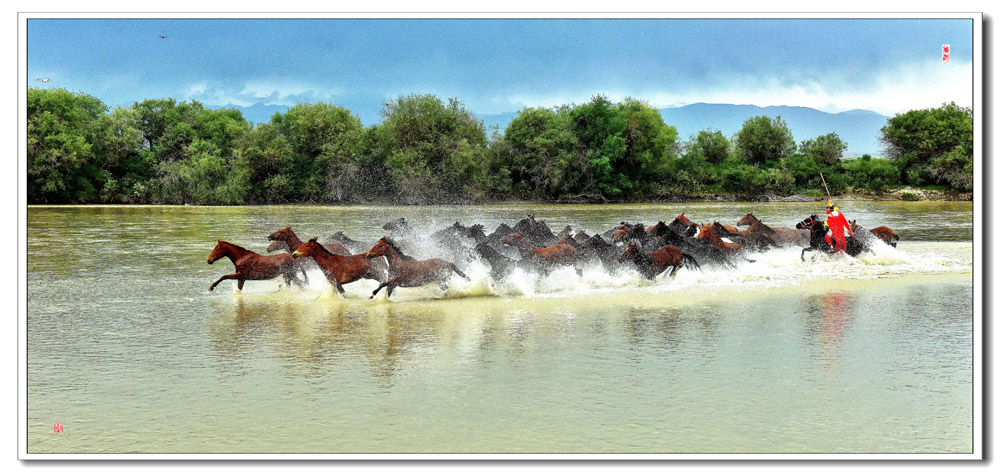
(237, 246)
(394, 247)
(760, 224)
(322, 247)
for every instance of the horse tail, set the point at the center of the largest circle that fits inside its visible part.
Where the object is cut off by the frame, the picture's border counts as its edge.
(466, 277)
(690, 259)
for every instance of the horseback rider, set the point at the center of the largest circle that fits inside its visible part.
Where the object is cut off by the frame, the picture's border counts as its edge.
(837, 223)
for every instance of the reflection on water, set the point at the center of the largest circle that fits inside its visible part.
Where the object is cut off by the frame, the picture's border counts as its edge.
(829, 317)
(866, 355)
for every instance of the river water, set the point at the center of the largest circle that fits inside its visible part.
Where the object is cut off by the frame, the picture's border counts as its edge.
(132, 354)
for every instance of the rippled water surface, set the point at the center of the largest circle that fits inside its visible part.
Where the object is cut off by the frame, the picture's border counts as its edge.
(130, 351)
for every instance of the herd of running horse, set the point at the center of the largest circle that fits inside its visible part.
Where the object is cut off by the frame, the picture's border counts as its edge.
(530, 246)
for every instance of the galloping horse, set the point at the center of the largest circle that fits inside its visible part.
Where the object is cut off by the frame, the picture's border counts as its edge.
(882, 232)
(405, 271)
(817, 241)
(683, 226)
(558, 254)
(339, 270)
(756, 241)
(707, 233)
(650, 265)
(782, 236)
(253, 266)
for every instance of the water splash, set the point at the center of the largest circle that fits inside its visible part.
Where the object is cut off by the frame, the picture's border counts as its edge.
(771, 269)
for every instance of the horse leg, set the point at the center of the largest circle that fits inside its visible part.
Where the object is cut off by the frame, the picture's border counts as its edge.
(289, 278)
(239, 284)
(340, 288)
(383, 284)
(224, 277)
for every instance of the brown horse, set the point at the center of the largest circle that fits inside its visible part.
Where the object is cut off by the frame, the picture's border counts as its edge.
(782, 236)
(759, 241)
(650, 265)
(882, 232)
(707, 233)
(405, 271)
(339, 270)
(253, 266)
(560, 253)
(683, 226)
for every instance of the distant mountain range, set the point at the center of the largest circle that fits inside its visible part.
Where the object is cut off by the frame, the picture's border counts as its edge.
(859, 128)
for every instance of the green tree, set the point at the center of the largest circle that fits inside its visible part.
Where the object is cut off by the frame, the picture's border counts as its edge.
(827, 149)
(544, 155)
(918, 141)
(710, 145)
(432, 150)
(649, 143)
(599, 126)
(62, 149)
(871, 174)
(323, 140)
(763, 139)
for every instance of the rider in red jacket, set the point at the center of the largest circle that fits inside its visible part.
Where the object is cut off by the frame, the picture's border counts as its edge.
(837, 223)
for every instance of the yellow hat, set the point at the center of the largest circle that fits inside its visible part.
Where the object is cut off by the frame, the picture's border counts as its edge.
(829, 203)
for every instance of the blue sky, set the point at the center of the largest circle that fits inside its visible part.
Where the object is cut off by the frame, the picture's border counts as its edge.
(497, 66)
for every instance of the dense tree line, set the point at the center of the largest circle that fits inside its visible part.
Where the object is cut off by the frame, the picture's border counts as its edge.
(428, 150)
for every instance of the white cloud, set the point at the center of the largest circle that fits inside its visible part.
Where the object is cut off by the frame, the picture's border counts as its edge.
(250, 93)
(283, 92)
(909, 87)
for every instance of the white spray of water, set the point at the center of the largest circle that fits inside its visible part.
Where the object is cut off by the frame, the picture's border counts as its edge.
(775, 268)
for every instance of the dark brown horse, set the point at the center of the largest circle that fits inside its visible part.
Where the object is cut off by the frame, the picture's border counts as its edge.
(782, 236)
(253, 266)
(405, 271)
(652, 264)
(339, 270)
(882, 232)
(758, 241)
(683, 226)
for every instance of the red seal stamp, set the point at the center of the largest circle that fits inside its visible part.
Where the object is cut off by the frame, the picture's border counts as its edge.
(946, 53)
(57, 427)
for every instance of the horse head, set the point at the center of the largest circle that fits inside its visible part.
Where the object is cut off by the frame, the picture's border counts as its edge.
(748, 219)
(307, 249)
(684, 220)
(381, 248)
(282, 234)
(704, 231)
(619, 234)
(220, 251)
(513, 238)
(475, 232)
(277, 245)
(630, 252)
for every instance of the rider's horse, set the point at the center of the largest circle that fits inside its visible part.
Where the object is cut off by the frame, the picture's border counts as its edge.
(817, 238)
